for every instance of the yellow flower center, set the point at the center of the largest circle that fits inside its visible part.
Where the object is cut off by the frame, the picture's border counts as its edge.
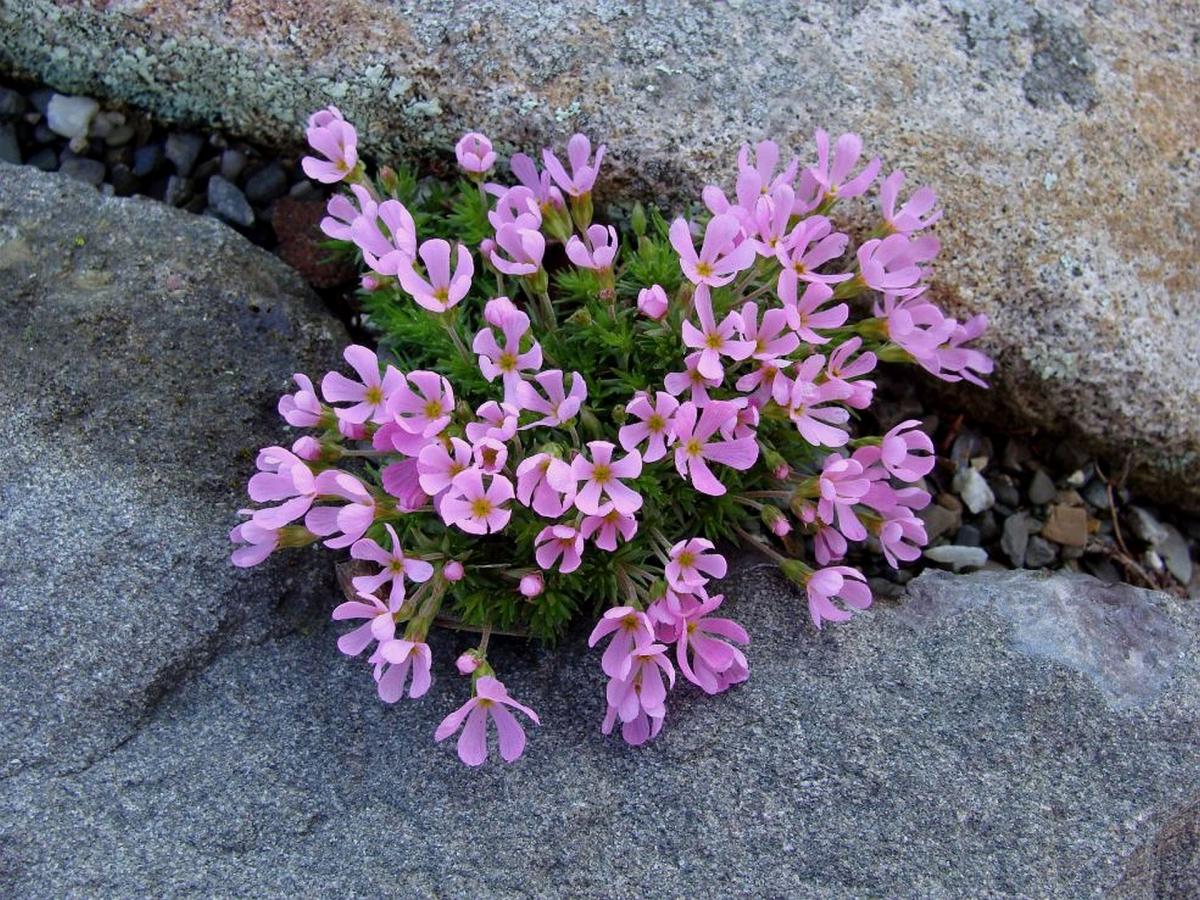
(374, 395)
(601, 474)
(442, 295)
(703, 269)
(481, 508)
(656, 423)
(713, 342)
(508, 362)
(687, 559)
(433, 409)
(692, 448)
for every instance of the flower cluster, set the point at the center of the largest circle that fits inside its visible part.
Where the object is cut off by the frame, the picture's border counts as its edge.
(563, 418)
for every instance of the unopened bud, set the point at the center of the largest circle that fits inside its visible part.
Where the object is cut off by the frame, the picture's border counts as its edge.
(637, 219)
(453, 571)
(532, 585)
(776, 521)
(467, 663)
(653, 303)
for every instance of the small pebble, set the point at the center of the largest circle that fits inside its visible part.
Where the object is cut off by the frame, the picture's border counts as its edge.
(228, 202)
(1069, 497)
(12, 104)
(958, 558)
(1041, 488)
(968, 536)
(1145, 525)
(178, 190)
(10, 150)
(182, 149)
(40, 98)
(1077, 479)
(1152, 561)
(973, 489)
(1016, 455)
(1040, 553)
(233, 163)
(1095, 493)
(1005, 490)
(1015, 538)
(881, 588)
(45, 159)
(124, 182)
(120, 136)
(1174, 552)
(206, 170)
(83, 169)
(70, 117)
(146, 159)
(1067, 525)
(267, 184)
(939, 520)
(304, 190)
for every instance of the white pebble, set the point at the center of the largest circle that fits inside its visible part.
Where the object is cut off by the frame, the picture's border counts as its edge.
(71, 117)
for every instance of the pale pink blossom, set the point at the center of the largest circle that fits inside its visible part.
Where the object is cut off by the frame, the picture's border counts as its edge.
(396, 567)
(255, 543)
(902, 536)
(704, 651)
(474, 508)
(893, 263)
(495, 420)
(656, 425)
(917, 213)
(832, 176)
(744, 424)
(713, 340)
(603, 476)
(806, 402)
(836, 583)
(555, 541)
(490, 455)
(380, 623)
(630, 629)
(346, 524)
(453, 571)
(369, 395)
(516, 206)
(605, 527)
(526, 172)
(394, 661)
(496, 310)
(653, 303)
(599, 250)
(336, 140)
(842, 485)
(804, 313)
(641, 691)
(507, 362)
(829, 544)
(954, 362)
(906, 452)
(545, 484)
(403, 481)
(770, 217)
(307, 448)
(692, 563)
(769, 339)
(558, 406)
(383, 249)
(467, 663)
(281, 476)
(691, 379)
(301, 409)
(438, 465)
(425, 411)
(643, 728)
(847, 373)
(584, 168)
(342, 212)
(524, 248)
(443, 289)
(491, 700)
(759, 384)
(720, 258)
(802, 257)
(531, 585)
(474, 153)
(694, 448)
(759, 176)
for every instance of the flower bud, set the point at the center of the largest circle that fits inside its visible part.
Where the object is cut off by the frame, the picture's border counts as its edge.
(796, 571)
(370, 283)
(453, 571)
(776, 521)
(581, 210)
(532, 585)
(777, 465)
(475, 154)
(652, 302)
(590, 423)
(307, 447)
(389, 180)
(581, 318)
(467, 663)
(497, 311)
(637, 219)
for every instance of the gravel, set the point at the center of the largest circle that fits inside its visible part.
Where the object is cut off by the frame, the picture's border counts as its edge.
(70, 117)
(183, 149)
(227, 201)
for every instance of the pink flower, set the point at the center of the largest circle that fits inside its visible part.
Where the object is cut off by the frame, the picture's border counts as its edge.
(437, 467)
(554, 541)
(474, 153)
(603, 476)
(394, 660)
(641, 729)
(524, 246)
(335, 139)
(805, 401)
(491, 700)
(842, 484)
(525, 170)
(466, 663)
(473, 508)
(490, 455)
(832, 179)
(558, 407)
(805, 314)
(516, 206)
(770, 217)
(425, 411)
(641, 692)
(508, 361)
(902, 536)
(307, 447)
(712, 340)
(380, 625)
(383, 251)
(720, 259)
(350, 520)
(760, 177)
(655, 427)
(694, 450)
(897, 452)
(606, 526)
(715, 663)
(913, 215)
(630, 629)
(840, 583)
(370, 395)
(281, 476)
(546, 484)
(396, 567)
(583, 168)
(256, 543)
(442, 290)
(841, 370)
(829, 545)
(744, 424)
(531, 585)
(653, 303)
(954, 362)
(497, 310)
(799, 255)
(691, 565)
(759, 384)
(768, 339)
(453, 571)
(342, 212)
(301, 409)
(599, 251)
(496, 420)
(891, 263)
(403, 481)
(691, 379)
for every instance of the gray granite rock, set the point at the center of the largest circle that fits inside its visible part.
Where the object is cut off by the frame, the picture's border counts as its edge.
(144, 351)
(1034, 122)
(995, 734)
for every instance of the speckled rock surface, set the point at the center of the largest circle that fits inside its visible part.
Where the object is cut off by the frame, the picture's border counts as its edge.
(1062, 136)
(144, 349)
(998, 734)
